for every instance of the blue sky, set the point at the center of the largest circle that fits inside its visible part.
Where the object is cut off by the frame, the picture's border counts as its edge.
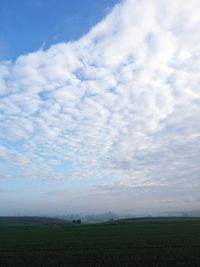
(99, 106)
(26, 25)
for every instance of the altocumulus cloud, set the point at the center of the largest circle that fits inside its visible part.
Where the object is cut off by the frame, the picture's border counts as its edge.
(122, 102)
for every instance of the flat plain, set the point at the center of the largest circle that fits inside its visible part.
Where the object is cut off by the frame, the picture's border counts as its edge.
(145, 242)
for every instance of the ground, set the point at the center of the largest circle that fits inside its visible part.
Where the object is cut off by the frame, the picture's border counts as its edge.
(135, 242)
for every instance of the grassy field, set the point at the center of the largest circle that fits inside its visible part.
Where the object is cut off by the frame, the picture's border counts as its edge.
(31, 222)
(138, 242)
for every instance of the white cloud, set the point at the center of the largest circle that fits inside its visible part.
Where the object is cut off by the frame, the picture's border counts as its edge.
(123, 101)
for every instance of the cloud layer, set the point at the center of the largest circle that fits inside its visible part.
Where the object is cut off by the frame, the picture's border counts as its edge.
(122, 102)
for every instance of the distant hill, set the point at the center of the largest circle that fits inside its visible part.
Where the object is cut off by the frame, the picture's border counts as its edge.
(31, 221)
(163, 219)
(191, 213)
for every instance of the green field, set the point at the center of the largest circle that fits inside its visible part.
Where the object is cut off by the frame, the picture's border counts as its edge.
(137, 242)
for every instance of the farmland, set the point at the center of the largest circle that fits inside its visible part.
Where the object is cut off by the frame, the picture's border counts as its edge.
(134, 242)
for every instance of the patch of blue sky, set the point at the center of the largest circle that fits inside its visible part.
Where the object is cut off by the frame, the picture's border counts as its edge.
(10, 168)
(44, 95)
(28, 186)
(26, 26)
(66, 166)
(25, 186)
(17, 145)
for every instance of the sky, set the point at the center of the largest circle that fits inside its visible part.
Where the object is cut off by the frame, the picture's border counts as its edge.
(27, 25)
(99, 106)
